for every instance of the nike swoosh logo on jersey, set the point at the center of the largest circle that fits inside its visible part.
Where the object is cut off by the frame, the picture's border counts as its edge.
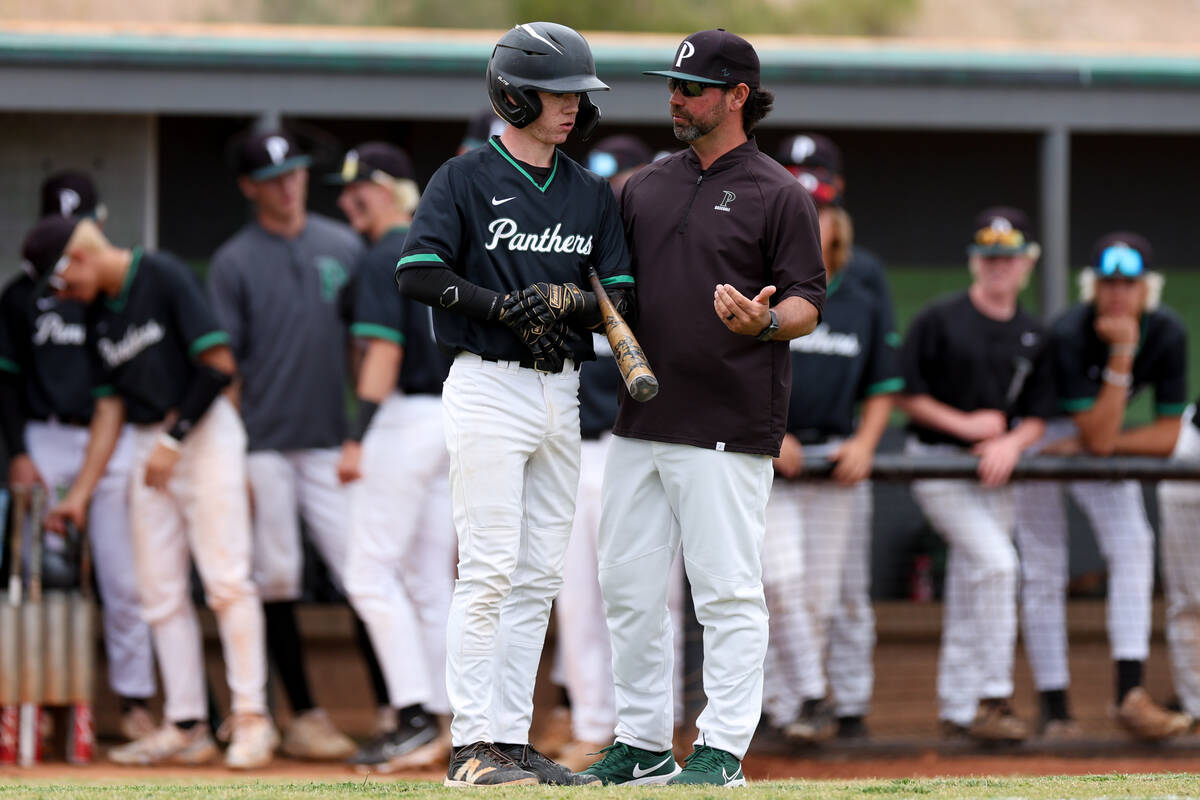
(638, 772)
(496, 202)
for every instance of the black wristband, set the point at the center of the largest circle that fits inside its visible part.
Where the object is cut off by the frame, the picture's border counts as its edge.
(206, 384)
(362, 420)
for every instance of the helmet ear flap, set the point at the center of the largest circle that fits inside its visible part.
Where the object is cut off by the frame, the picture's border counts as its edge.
(516, 107)
(587, 118)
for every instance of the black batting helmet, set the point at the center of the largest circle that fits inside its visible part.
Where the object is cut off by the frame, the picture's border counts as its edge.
(542, 56)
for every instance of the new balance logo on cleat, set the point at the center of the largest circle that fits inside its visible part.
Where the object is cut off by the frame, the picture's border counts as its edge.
(481, 764)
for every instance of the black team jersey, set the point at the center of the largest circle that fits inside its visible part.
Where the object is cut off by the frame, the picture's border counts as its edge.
(381, 312)
(144, 341)
(43, 346)
(848, 358)
(486, 217)
(972, 362)
(1080, 357)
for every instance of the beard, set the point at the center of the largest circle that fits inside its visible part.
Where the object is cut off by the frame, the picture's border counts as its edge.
(698, 127)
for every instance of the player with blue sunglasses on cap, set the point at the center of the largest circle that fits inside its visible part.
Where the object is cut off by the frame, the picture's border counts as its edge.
(1115, 343)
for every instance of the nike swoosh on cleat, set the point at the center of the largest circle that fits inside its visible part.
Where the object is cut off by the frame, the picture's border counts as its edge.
(496, 202)
(737, 773)
(638, 772)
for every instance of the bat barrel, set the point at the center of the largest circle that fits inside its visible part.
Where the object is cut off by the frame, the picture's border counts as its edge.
(82, 738)
(57, 691)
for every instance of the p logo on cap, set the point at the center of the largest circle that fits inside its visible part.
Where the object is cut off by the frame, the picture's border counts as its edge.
(68, 201)
(686, 50)
(277, 148)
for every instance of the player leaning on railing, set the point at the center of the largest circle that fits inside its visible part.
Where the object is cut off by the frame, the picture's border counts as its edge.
(977, 378)
(1107, 348)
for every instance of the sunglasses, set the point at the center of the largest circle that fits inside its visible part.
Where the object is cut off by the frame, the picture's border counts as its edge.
(690, 88)
(1122, 260)
(997, 236)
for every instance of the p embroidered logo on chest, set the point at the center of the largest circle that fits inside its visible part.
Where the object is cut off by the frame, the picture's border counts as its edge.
(548, 241)
(727, 198)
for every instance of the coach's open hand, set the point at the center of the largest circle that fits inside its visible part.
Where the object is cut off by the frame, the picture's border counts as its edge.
(740, 314)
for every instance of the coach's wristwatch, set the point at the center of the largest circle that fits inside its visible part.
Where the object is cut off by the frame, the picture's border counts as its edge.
(769, 331)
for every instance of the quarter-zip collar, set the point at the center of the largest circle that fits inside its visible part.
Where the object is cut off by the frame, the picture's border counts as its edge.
(747, 149)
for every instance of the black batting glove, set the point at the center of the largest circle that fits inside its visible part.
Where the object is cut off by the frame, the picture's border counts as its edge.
(547, 303)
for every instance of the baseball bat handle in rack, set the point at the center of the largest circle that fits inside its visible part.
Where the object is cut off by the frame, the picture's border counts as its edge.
(631, 361)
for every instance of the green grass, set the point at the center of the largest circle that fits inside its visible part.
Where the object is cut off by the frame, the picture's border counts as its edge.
(1089, 786)
(913, 287)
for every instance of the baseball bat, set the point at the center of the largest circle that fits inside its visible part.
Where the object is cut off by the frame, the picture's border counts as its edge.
(631, 361)
(29, 744)
(10, 634)
(81, 741)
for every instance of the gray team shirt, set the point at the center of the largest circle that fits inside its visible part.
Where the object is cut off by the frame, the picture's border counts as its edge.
(281, 303)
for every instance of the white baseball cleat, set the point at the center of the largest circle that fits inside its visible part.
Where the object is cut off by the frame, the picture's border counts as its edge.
(252, 741)
(169, 744)
(137, 723)
(312, 736)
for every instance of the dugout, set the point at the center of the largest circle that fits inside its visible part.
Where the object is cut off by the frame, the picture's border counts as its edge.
(1085, 138)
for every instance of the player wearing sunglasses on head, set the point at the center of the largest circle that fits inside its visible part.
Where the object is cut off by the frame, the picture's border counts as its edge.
(1109, 347)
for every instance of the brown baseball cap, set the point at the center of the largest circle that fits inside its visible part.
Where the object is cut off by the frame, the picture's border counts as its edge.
(716, 57)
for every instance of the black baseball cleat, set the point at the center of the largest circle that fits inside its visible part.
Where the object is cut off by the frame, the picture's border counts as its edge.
(482, 764)
(407, 737)
(547, 770)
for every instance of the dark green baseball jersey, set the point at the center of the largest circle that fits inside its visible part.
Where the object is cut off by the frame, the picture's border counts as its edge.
(486, 217)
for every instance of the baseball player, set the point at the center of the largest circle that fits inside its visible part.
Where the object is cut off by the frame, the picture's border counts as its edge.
(276, 287)
(160, 362)
(816, 161)
(977, 378)
(46, 406)
(707, 227)
(1113, 344)
(1179, 510)
(499, 245)
(400, 564)
(846, 361)
(583, 662)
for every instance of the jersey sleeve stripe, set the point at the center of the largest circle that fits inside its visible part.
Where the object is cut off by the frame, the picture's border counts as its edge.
(8, 365)
(1170, 409)
(1077, 404)
(615, 279)
(419, 258)
(206, 341)
(370, 330)
(886, 387)
(103, 391)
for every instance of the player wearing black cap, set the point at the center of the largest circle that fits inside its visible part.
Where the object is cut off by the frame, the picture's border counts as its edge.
(977, 378)
(277, 288)
(400, 563)
(45, 408)
(500, 243)
(848, 360)
(1115, 343)
(816, 162)
(692, 467)
(159, 361)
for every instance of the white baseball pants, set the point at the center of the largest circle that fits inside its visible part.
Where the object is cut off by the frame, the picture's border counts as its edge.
(979, 628)
(282, 483)
(1179, 513)
(584, 655)
(657, 497)
(400, 565)
(850, 664)
(57, 451)
(809, 528)
(513, 437)
(1117, 516)
(202, 514)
